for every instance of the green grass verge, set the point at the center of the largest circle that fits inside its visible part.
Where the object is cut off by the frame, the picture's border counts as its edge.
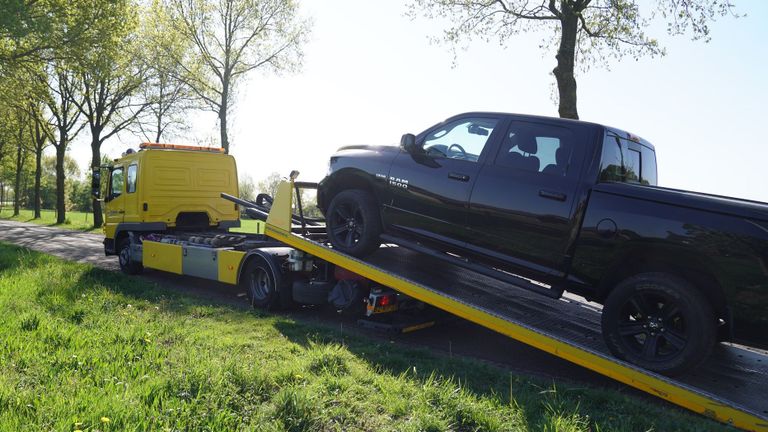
(249, 226)
(78, 221)
(86, 349)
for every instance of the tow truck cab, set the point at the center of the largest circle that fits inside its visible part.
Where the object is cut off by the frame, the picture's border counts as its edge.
(164, 187)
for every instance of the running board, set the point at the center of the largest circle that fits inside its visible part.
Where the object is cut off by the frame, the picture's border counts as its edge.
(553, 292)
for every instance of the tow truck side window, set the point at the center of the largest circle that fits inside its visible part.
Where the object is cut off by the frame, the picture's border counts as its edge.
(116, 183)
(132, 173)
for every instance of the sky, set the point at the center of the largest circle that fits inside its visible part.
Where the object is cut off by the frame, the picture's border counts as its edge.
(371, 74)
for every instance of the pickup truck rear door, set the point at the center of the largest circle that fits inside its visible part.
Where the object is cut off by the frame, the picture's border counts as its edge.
(430, 189)
(522, 206)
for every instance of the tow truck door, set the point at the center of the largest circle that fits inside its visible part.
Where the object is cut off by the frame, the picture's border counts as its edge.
(430, 190)
(114, 202)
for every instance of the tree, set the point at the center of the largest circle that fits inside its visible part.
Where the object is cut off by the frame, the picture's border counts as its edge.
(232, 38)
(269, 185)
(22, 119)
(111, 76)
(246, 187)
(64, 90)
(587, 30)
(168, 97)
(40, 134)
(48, 29)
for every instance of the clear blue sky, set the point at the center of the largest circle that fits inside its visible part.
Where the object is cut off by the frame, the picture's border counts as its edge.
(370, 74)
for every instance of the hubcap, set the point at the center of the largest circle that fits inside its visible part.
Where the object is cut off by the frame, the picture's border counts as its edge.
(125, 256)
(260, 284)
(652, 326)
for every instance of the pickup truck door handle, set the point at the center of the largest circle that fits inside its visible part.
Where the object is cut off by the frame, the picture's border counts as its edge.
(459, 177)
(557, 196)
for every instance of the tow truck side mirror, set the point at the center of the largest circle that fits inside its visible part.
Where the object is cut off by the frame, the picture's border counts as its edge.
(408, 143)
(96, 183)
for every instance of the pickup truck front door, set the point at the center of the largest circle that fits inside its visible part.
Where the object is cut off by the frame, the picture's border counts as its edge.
(430, 189)
(521, 210)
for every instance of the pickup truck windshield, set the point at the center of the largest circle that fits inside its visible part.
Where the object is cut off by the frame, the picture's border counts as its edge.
(627, 161)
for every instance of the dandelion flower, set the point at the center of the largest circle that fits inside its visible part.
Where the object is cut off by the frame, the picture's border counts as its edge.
(105, 419)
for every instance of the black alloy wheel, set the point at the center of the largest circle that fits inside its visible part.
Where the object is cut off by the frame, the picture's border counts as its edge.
(354, 223)
(659, 322)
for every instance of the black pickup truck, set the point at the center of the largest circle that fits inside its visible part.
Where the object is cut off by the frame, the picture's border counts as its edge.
(555, 205)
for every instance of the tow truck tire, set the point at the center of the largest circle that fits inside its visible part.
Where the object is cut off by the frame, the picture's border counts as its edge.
(127, 264)
(354, 223)
(659, 322)
(263, 282)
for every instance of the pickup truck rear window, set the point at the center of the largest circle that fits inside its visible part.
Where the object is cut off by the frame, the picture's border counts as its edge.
(627, 161)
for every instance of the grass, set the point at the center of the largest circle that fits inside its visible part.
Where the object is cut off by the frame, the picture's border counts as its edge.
(78, 221)
(91, 350)
(249, 226)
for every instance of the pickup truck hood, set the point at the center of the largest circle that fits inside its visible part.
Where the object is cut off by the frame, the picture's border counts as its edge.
(377, 148)
(755, 210)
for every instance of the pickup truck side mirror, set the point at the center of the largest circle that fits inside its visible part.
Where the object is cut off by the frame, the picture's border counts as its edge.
(408, 143)
(96, 183)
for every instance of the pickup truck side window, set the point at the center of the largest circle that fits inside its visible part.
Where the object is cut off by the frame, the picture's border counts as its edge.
(537, 147)
(130, 186)
(621, 163)
(462, 139)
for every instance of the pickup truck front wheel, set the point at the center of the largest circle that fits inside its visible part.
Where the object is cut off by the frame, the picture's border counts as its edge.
(660, 322)
(354, 223)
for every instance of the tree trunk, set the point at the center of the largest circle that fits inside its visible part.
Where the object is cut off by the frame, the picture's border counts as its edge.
(61, 149)
(223, 116)
(566, 53)
(98, 219)
(17, 184)
(38, 174)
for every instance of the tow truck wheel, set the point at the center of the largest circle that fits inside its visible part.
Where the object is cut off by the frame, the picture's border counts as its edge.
(660, 322)
(262, 280)
(127, 264)
(354, 223)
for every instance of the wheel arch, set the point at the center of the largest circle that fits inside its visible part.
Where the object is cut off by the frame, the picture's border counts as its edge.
(344, 179)
(689, 265)
(272, 255)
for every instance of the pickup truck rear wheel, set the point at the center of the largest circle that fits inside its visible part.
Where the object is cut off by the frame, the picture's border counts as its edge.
(128, 265)
(354, 223)
(660, 322)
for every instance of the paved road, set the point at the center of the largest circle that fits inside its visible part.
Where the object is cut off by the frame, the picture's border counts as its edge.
(456, 337)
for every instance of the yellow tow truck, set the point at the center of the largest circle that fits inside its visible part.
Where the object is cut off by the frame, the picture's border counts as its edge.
(170, 208)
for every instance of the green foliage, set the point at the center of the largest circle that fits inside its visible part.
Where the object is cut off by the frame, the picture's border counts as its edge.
(607, 28)
(584, 33)
(231, 38)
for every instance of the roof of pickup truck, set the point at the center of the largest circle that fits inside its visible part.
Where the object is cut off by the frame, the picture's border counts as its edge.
(622, 133)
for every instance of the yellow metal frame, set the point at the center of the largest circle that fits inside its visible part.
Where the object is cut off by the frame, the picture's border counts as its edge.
(279, 228)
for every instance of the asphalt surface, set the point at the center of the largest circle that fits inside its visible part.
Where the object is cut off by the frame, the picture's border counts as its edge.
(452, 337)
